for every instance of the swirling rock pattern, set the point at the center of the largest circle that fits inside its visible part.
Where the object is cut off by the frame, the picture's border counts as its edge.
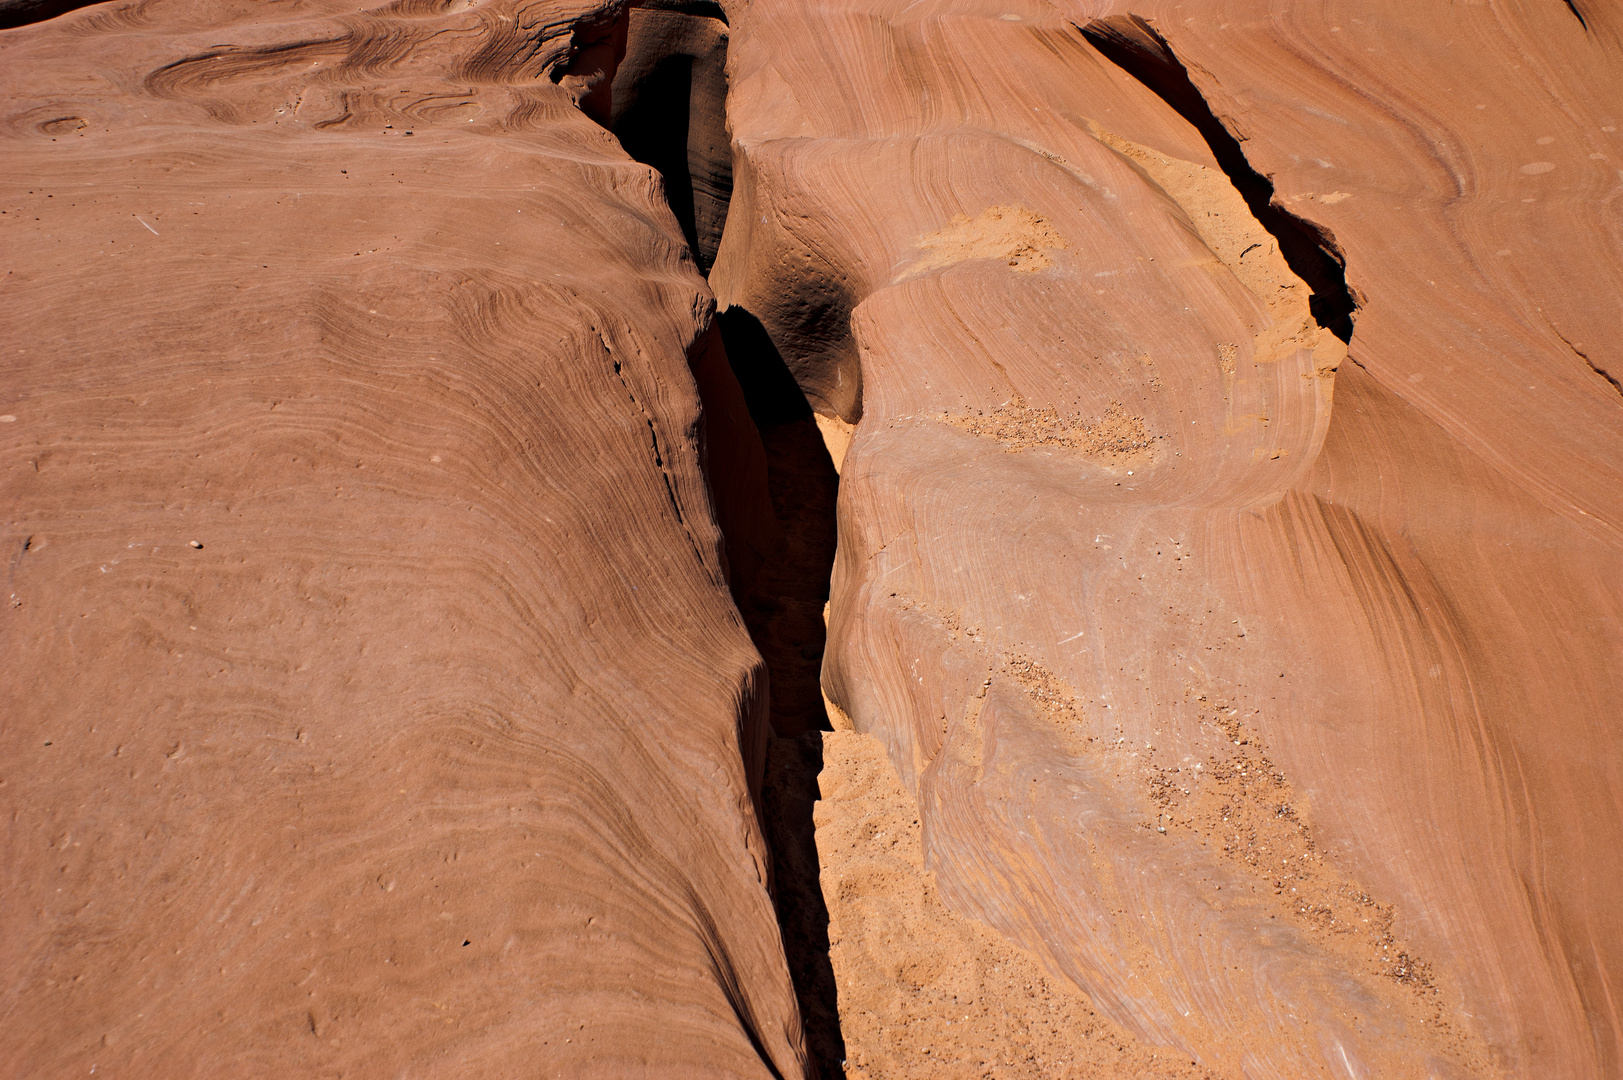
(1228, 414)
(1281, 722)
(375, 704)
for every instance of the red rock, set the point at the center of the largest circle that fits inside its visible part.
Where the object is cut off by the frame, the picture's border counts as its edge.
(375, 701)
(1114, 513)
(1227, 409)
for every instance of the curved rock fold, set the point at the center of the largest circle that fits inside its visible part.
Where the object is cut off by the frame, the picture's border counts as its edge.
(422, 432)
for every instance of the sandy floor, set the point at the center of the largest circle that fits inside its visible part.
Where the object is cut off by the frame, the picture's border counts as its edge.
(922, 991)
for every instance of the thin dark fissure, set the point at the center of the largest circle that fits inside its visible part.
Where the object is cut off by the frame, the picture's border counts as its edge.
(1135, 46)
(1572, 6)
(784, 612)
(668, 111)
(1603, 373)
(1596, 368)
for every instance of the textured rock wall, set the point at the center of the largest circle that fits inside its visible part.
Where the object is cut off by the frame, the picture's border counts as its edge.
(1262, 687)
(1227, 409)
(1468, 164)
(374, 699)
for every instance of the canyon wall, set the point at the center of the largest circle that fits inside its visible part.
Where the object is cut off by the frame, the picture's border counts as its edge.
(375, 702)
(1226, 402)
(1262, 683)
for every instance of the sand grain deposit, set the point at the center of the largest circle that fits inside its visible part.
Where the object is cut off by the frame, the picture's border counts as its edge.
(800, 538)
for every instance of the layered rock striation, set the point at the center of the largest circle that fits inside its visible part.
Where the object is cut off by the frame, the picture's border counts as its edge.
(375, 699)
(1257, 684)
(1229, 436)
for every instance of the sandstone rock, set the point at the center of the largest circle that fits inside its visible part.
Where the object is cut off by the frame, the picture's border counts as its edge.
(375, 701)
(1261, 718)
(1229, 436)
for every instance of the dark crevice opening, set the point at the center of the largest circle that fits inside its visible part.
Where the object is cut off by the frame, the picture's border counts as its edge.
(668, 111)
(1572, 6)
(1136, 47)
(15, 13)
(784, 613)
(1603, 373)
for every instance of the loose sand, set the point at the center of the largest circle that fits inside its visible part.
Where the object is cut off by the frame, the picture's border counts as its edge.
(924, 992)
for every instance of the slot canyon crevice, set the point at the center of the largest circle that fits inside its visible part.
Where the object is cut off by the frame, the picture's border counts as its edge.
(809, 539)
(668, 111)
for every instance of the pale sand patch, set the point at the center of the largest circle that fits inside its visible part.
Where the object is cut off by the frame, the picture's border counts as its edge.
(837, 436)
(1117, 437)
(924, 992)
(1238, 241)
(1011, 234)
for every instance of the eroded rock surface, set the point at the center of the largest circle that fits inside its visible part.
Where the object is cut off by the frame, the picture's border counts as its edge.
(1230, 449)
(1262, 687)
(925, 992)
(375, 704)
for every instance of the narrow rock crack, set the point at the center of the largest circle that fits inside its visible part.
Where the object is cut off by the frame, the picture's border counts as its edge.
(667, 108)
(1596, 368)
(1135, 46)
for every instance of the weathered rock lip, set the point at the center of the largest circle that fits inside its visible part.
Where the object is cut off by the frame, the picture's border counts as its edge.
(15, 13)
(1134, 45)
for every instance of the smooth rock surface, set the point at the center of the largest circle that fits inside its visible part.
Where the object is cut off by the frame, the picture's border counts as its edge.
(1226, 407)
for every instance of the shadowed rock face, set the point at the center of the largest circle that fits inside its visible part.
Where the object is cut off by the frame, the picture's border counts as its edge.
(1229, 547)
(670, 111)
(375, 701)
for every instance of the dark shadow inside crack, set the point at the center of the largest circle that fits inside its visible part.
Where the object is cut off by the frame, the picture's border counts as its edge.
(15, 13)
(668, 112)
(784, 613)
(1312, 253)
(785, 610)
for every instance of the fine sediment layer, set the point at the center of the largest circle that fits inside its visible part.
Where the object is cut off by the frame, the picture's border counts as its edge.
(925, 992)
